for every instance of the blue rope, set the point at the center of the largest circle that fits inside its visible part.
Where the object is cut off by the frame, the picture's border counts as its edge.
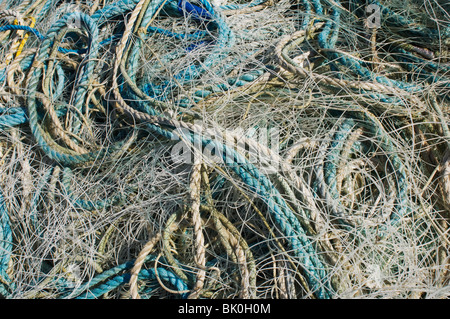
(328, 42)
(87, 204)
(185, 7)
(112, 279)
(12, 120)
(215, 37)
(12, 27)
(287, 221)
(6, 244)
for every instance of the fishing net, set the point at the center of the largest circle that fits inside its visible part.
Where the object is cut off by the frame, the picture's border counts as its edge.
(225, 149)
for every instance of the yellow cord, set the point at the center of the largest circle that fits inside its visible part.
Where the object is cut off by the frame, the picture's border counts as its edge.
(25, 38)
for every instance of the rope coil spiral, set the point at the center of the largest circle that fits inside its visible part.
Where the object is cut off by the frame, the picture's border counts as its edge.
(224, 149)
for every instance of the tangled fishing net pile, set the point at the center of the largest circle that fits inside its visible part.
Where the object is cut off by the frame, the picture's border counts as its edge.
(224, 149)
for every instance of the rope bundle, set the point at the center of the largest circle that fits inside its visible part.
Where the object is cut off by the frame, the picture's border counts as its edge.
(186, 149)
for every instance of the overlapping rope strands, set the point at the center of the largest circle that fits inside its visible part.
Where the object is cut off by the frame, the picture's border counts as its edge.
(227, 149)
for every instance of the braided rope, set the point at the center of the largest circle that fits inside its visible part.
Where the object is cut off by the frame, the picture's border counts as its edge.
(78, 89)
(146, 250)
(199, 240)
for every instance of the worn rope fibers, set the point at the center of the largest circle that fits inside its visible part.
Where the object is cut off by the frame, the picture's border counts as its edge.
(199, 149)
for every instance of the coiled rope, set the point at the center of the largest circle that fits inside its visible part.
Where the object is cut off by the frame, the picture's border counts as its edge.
(125, 172)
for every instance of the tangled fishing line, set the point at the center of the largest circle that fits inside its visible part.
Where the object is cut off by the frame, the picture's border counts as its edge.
(227, 149)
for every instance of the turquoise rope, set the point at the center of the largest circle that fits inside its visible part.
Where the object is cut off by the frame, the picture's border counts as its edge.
(87, 204)
(145, 274)
(327, 42)
(112, 279)
(6, 245)
(315, 270)
(70, 157)
(330, 168)
(219, 44)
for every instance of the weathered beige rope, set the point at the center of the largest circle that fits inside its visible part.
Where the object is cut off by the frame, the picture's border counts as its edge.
(199, 240)
(146, 250)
